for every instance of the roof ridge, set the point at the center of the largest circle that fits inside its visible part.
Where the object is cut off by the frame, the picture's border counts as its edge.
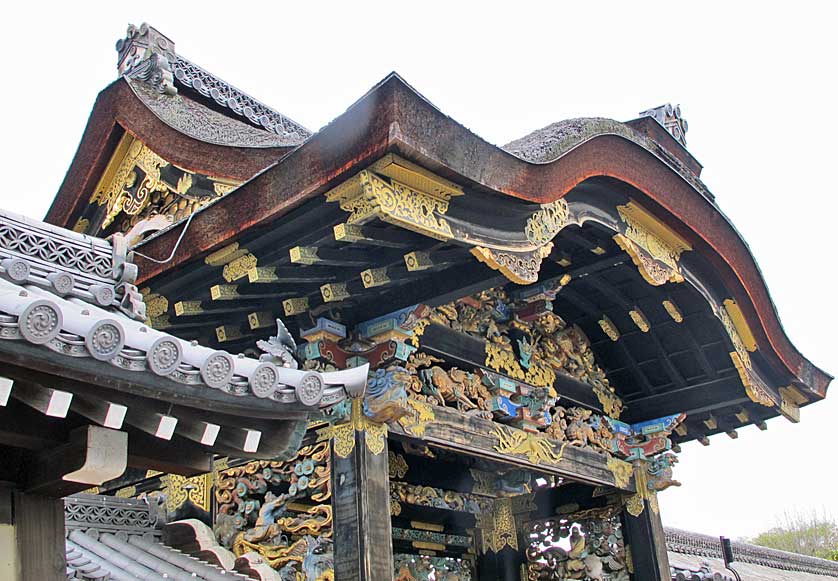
(146, 54)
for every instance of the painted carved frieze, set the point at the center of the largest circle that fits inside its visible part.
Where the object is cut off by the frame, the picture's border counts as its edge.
(427, 568)
(527, 342)
(280, 510)
(587, 546)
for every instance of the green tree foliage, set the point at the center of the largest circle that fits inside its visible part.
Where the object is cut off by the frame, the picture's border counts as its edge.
(808, 534)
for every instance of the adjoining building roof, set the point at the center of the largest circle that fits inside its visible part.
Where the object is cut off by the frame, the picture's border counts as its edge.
(119, 539)
(697, 556)
(70, 315)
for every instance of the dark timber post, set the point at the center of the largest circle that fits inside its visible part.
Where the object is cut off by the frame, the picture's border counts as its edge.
(499, 544)
(361, 500)
(39, 532)
(643, 532)
(504, 565)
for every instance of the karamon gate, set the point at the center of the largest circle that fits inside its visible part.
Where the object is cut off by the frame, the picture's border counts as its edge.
(385, 350)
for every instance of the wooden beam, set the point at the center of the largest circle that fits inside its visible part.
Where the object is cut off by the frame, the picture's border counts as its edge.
(477, 437)
(24, 427)
(92, 456)
(372, 236)
(309, 255)
(238, 293)
(230, 333)
(23, 361)
(445, 286)
(698, 398)
(376, 277)
(207, 309)
(51, 402)
(178, 456)
(420, 260)
(615, 295)
(584, 305)
(291, 275)
(261, 320)
(105, 413)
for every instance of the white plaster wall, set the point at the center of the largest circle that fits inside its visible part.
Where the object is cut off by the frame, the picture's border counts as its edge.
(8, 554)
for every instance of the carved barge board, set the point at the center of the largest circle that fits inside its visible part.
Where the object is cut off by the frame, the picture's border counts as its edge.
(471, 352)
(456, 431)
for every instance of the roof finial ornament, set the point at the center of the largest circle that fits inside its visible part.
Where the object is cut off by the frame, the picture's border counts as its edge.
(279, 349)
(670, 118)
(146, 54)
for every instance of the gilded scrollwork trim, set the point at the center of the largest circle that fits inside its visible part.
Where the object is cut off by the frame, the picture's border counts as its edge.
(545, 223)
(368, 195)
(635, 503)
(653, 247)
(343, 435)
(755, 388)
(621, 470)
(519, 267)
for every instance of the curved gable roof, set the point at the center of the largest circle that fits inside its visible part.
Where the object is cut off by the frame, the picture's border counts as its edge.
(393, 117)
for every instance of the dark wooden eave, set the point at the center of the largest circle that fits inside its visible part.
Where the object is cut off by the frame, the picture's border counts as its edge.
(393, 117)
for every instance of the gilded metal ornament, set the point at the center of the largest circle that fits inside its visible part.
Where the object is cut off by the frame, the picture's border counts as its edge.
(178, 489)
(343, 435)
(673, 311)
(396, 465)
(640, 319)
(634, 505)
(609, 328)
(239, 267)
(736, 328)
(536, 448)
(503, 532)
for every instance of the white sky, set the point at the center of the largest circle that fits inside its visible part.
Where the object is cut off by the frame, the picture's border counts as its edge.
(757, 85)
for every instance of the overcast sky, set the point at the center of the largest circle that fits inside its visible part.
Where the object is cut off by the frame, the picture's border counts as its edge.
(756, 85)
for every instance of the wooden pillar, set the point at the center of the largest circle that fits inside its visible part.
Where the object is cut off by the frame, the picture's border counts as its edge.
(505, 565)
(500, 547)
(39, 527)
(643, 532)
(361, 500)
